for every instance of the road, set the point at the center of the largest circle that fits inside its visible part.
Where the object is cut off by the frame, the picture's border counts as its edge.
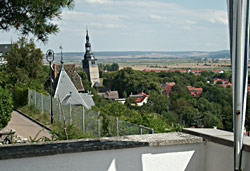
(25, 127)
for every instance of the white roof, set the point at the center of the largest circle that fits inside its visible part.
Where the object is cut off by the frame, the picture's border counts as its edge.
(67, 92)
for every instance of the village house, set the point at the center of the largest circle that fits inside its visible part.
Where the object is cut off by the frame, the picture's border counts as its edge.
(167, 87)
(140, 99)
(224, 83)
(195, 91)
(69, 88)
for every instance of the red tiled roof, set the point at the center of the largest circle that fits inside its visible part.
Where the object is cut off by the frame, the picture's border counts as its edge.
(195, 91)
(168, 87)
(217, 71)
(143, 96)
(222, 80)
(197, 70)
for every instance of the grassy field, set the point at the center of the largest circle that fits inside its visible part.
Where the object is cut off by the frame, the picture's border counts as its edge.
(165, 63)
(221, 64)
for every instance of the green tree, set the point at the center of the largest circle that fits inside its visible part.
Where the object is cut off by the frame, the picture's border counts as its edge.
(127, 81)
(24, 69)
(29, 16)
(179, 91)
(210, 120)
(114, 67)
(157, 103)
(5, 107)
(24, 64)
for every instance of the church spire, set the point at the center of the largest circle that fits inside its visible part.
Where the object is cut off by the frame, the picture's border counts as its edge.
(88, 54)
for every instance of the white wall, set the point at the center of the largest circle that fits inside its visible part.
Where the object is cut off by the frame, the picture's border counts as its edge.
(168, 158)
(220, 157)
(206, 156)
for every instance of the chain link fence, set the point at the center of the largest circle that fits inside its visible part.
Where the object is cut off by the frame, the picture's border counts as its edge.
(88, 121)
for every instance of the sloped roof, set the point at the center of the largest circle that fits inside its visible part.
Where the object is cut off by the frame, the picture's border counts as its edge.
(110, 95)
(71, 71)
(195, 91)
(67, 92)
(88, 99)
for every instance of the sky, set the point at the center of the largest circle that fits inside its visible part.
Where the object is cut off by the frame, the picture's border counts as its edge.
(139, 25)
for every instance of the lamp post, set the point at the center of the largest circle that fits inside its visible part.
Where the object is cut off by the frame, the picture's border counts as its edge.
(50, 59)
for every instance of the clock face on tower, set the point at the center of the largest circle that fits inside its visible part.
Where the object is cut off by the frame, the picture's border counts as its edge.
(88, 48)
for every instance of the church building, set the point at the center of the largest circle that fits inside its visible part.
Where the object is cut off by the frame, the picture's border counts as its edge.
(89, 64)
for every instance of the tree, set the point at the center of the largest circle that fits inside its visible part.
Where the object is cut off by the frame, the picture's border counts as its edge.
(24, 69)
(114, 67)
(127, 81)
(24, 64)
(34, 17)
(157, 103)
(5, 107)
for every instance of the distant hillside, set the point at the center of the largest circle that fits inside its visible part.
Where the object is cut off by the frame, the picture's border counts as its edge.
(77, 56)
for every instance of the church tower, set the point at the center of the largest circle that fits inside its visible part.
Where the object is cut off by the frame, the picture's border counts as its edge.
(89, 63)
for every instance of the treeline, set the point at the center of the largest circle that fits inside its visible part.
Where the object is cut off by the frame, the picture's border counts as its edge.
(108, 67)
(212, 108)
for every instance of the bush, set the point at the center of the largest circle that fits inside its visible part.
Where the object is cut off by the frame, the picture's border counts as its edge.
(20, 96)
(5, 107)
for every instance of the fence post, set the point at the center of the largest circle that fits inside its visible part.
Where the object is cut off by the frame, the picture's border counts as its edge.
(98, 125)
(152, 131)
(70, 113)
(117, 126)
(35, 98)
(83, 120)
(42, 103)
(140, 130)
(29, 97)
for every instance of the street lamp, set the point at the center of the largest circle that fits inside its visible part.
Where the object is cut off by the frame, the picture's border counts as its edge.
(50, 58)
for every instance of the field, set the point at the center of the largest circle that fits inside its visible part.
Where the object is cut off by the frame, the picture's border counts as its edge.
(160, 61)
(178, 63)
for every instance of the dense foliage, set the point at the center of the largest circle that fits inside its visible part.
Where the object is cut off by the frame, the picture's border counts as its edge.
(128, 81)
(30, 16)
(212, 108)
(5, 107)
(108, 67)
(23, 70)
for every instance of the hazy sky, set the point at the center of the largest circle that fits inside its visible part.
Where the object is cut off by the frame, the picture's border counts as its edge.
(140, 25)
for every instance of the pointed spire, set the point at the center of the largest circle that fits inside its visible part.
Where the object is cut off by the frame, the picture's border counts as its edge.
(87, 34)
(61, 57)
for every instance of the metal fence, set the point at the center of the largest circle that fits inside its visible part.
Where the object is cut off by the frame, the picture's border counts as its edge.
(89, 122)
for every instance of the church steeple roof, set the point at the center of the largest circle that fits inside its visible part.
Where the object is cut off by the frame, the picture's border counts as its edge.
(88, 54)
(87, 44)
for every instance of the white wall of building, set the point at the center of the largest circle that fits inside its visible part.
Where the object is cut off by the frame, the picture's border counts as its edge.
(205, 156)
(165, 158)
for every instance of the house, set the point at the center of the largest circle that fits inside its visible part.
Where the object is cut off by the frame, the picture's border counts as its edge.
(225, 83)
(197, 70)
(167, 88)
(70, 69)
(218, 79)
(110, 95)
(218, 71)
(140, 99)
(67, 93)
(195, 91)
